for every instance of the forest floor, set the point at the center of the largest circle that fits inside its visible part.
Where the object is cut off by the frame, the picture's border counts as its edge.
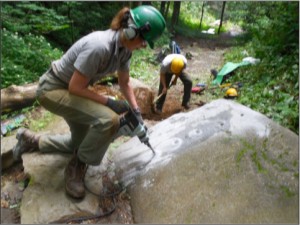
(206, 54)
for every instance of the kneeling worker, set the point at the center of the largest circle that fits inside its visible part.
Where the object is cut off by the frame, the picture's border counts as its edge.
(94, 119)
(173, 64)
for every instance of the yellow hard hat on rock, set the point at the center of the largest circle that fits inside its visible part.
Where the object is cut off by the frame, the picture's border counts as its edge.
(177, 65)
(231, 93)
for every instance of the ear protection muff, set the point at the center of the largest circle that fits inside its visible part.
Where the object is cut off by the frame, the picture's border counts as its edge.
(130, 32)
(129, 28)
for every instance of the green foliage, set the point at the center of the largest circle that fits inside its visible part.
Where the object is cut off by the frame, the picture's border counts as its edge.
(26, 54)
(99, 17)
(25, 17)
(144, 65)
(280, 35)
(190, 16)
(24, 58)
(270, 87)
(41, 123)
(191, 13)
(164, 39)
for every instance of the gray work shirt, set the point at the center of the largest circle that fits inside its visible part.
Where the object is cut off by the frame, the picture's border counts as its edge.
(166, 63)
(95, 55)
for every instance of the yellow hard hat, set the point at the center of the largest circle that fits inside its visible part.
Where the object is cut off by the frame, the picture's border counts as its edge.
(231, 92)
(177, 65)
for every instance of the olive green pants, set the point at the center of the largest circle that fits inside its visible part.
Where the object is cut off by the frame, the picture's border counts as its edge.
(92, 125)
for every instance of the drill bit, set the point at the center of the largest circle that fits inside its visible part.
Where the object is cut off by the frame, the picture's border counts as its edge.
(148, 144)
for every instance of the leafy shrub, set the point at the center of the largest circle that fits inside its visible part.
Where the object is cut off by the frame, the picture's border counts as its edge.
(26, 54)
(31, 17)
(99, 17)
(24, 58)
(270, 87)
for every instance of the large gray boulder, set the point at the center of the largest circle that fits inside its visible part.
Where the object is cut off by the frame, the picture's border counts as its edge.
(221, 163)
(45, 200)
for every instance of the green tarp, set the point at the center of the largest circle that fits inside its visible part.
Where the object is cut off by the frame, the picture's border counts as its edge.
(228, 68)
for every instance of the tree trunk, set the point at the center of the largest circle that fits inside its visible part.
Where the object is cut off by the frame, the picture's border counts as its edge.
(223, 8)
(17, 97)
(146, 3)
(167, 9)
(135, 4)
(175, 16)
(202, 12)
(162, 7)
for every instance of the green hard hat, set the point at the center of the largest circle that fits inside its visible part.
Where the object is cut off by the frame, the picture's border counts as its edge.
(149, 21)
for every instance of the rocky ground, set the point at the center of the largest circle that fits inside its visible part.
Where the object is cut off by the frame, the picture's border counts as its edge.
(206, 54)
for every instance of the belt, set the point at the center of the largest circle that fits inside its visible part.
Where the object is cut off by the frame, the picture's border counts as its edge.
(50, 71)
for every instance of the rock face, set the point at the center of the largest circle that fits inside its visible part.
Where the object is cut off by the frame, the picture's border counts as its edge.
(45, 200)
(221, 163)
(7, 145)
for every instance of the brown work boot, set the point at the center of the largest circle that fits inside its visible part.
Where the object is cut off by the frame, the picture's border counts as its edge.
(27, 142)
(74, 177)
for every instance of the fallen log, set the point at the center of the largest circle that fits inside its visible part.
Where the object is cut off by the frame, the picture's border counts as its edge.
(17, 97)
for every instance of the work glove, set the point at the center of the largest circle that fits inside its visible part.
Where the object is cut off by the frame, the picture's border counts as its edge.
(141, 131)
(119, 106)
(137, 113)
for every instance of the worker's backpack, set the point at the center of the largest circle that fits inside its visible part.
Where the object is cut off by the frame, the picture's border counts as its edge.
(174, 47)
